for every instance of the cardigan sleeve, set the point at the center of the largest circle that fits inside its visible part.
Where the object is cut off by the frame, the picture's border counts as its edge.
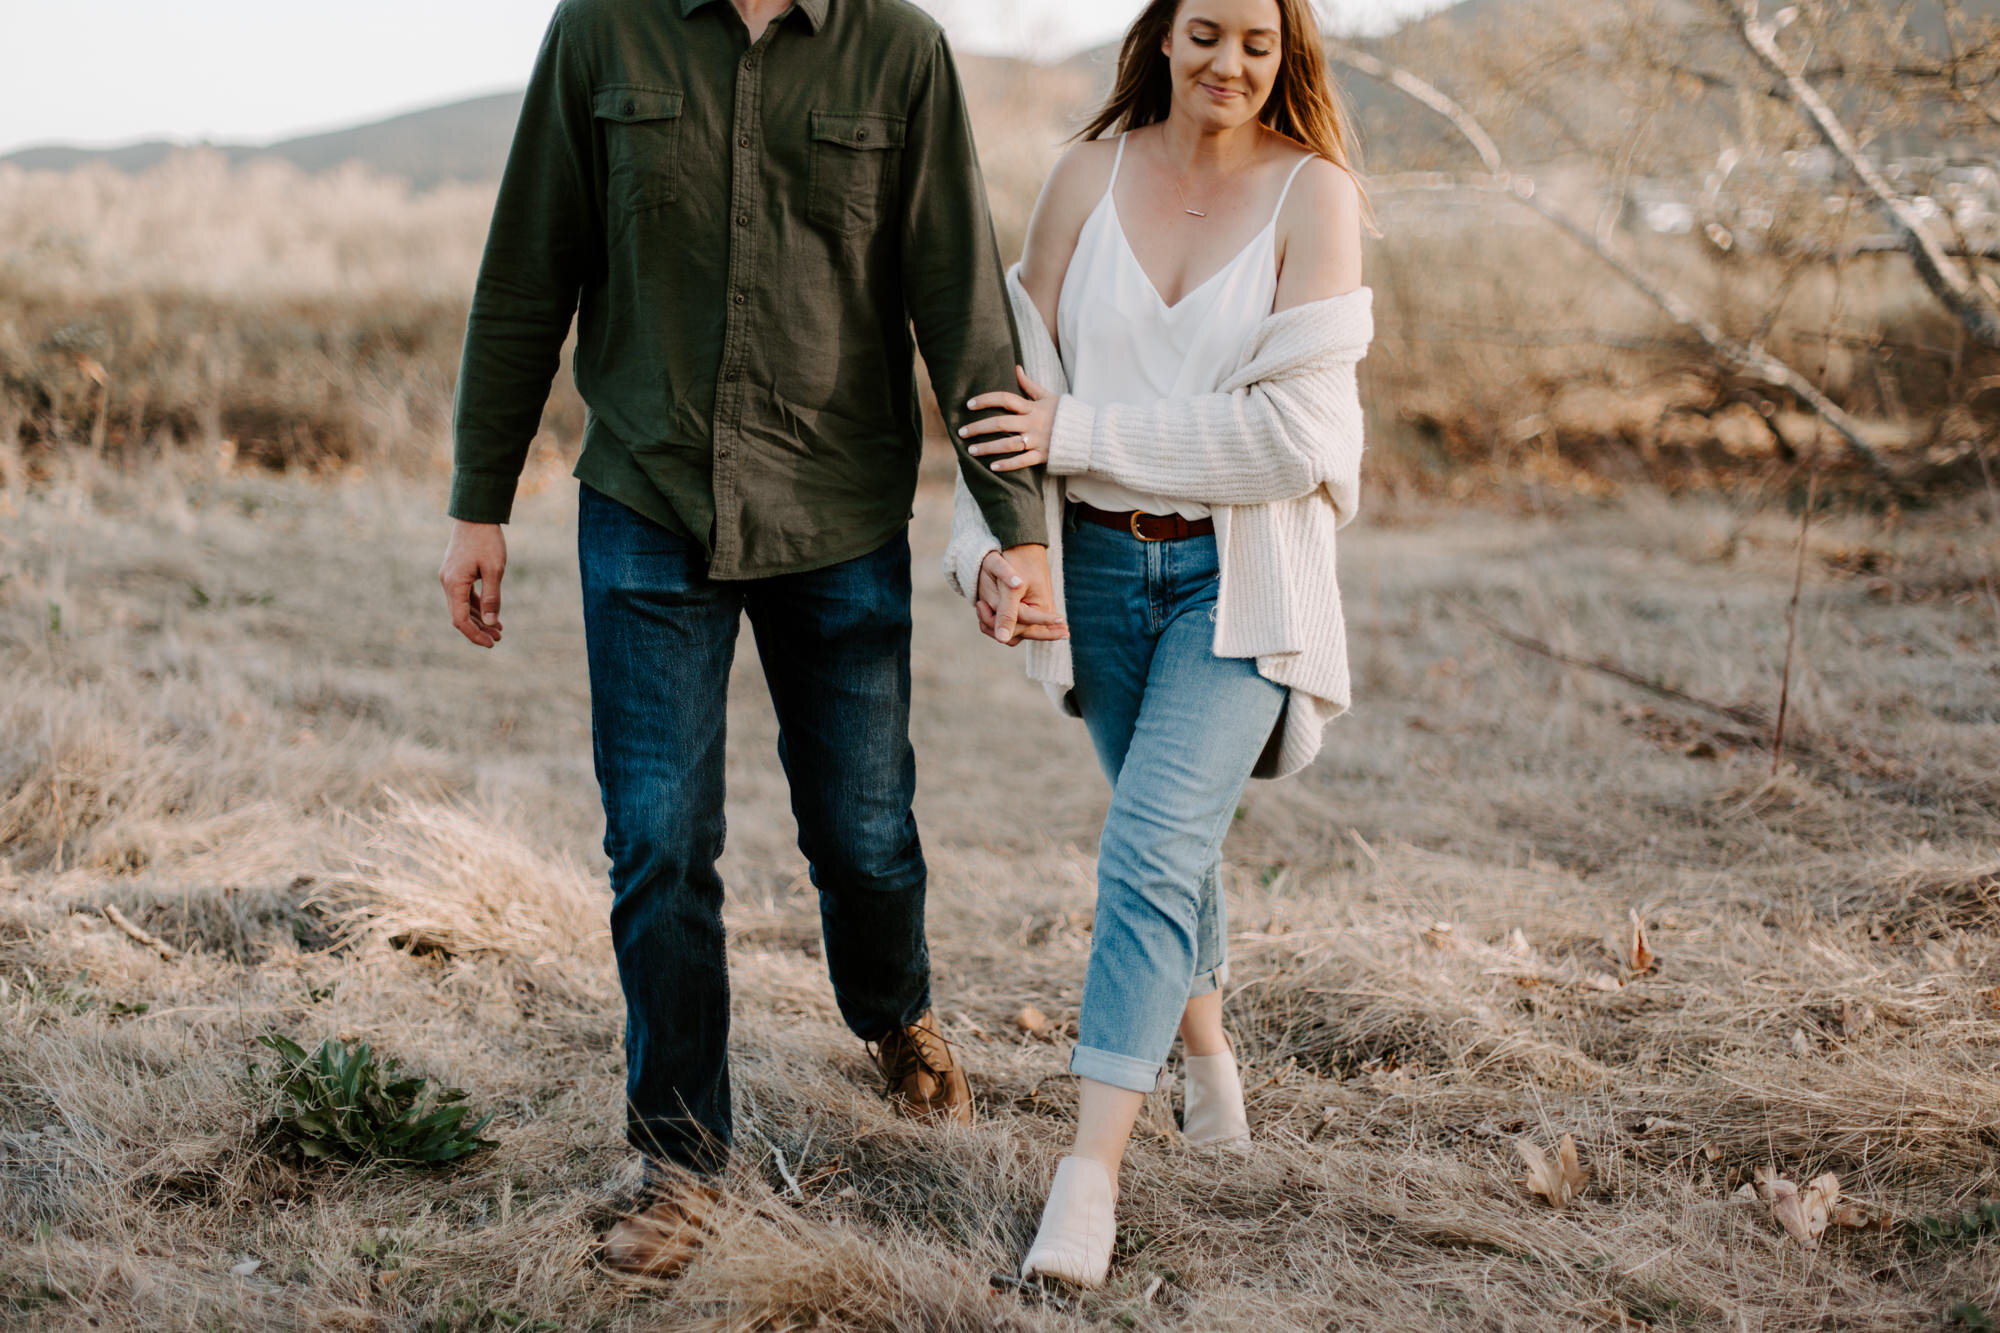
(1270, 441)
(1288, 425)
(972, 540)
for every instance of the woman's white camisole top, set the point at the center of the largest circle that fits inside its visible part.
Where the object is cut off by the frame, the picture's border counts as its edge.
(1122, 343)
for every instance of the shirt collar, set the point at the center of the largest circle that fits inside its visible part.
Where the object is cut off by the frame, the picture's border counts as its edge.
(814, 10)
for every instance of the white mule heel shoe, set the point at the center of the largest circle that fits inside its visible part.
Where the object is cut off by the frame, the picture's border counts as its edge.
(1213, 1115)
(1078, 1226)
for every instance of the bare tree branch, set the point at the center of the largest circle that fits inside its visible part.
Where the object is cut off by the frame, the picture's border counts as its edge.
(1747, 358)
(1952, 283)
(1412, 86)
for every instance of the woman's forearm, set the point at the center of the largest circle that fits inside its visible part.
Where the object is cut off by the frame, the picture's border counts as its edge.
(1259, 445)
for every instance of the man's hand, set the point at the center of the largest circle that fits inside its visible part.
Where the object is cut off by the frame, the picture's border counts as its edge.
(1017, 599)
(473, 564)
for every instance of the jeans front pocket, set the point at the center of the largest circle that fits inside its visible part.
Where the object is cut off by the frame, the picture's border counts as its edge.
(854, 163)
(642, 145)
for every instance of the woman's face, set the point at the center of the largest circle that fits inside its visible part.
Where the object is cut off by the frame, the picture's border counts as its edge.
(1224, 55)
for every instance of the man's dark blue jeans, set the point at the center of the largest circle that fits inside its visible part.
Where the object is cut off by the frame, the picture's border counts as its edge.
(835, 646)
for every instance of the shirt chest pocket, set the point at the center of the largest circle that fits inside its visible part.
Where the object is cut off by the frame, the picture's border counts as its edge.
(855, 160)
(642, 131)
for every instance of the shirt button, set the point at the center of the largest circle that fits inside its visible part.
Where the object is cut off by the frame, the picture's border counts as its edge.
(631, 108)
(861, 135)
(743, 141)
(742, 219)
(741, 298)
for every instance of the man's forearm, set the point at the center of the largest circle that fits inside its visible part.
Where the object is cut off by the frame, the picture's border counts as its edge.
(957, 294)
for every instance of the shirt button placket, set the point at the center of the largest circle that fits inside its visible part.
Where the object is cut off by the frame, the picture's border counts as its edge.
(729, 397)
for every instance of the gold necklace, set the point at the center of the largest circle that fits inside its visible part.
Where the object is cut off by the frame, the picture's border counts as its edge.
(1180, 193)
(1183, 198)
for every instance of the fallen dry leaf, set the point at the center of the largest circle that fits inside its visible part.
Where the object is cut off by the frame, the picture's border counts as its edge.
(1993, 997)
(1852, 1216)
(1801, 1043)
(1603, 981)
(1791, 1213)
(1439, 934)
(1639, 955)
(1804, 1213)
(1033, 1022)
(1558, 1181)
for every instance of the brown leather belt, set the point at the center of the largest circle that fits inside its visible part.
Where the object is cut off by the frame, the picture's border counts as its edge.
(1146, 527)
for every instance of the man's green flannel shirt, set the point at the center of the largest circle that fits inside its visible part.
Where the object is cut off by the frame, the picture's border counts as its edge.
(746, 233)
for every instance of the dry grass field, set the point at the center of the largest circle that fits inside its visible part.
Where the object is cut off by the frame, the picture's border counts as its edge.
(234, 715)
(234, 719)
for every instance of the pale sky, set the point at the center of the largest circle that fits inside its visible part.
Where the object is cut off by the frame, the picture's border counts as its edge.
(102, 72)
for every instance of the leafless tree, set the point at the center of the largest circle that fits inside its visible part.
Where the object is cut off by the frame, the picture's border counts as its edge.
(1778, 135)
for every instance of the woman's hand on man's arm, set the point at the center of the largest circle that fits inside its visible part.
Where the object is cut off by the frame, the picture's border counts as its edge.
(1020, 438)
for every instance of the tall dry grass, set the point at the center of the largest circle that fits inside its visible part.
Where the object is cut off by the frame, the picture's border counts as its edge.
(315, 322)
(234, 711)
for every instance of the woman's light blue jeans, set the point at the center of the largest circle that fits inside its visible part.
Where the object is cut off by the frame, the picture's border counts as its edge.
(1177, 730)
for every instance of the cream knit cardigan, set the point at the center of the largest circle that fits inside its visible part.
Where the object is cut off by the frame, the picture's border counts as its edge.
(1276, 453)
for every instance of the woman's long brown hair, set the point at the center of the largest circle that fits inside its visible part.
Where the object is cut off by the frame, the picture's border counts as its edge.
(1304, 105)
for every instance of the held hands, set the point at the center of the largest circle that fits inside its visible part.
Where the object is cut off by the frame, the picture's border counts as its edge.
(473, 564)
(1026, 430)
(1017, 596)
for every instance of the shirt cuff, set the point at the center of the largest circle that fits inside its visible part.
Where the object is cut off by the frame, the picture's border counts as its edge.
(1023, 521)
(1069, 437)
(482, 497)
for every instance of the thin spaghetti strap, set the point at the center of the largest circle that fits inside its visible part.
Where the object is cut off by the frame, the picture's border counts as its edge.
(1117, 162)
(1285, 193)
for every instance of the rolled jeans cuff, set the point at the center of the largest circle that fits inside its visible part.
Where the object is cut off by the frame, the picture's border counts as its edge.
(1207, 983)
(1120, 1071)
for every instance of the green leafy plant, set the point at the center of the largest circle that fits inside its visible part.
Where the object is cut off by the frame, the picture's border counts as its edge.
(1969, 1227)
(1972, 1317)
(341, 1101)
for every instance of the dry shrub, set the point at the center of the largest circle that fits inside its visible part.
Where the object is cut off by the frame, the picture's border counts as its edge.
(287, 319)
(1505, 354)
(1945, 899)
(315, 321)
(444, 878)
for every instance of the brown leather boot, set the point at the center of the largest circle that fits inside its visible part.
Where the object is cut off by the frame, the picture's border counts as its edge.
(925, 1082)
(666, 1231)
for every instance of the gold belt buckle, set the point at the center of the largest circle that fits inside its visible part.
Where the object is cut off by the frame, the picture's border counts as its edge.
(1134, 524)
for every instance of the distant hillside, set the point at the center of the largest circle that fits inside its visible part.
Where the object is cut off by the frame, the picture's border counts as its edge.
(462, 141)
(1023, 111)
(467, 141)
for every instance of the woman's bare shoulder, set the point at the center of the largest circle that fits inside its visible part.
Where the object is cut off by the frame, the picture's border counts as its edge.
(1072, 190)
(1320, 234)
(1081, 174)
(1321, 187)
